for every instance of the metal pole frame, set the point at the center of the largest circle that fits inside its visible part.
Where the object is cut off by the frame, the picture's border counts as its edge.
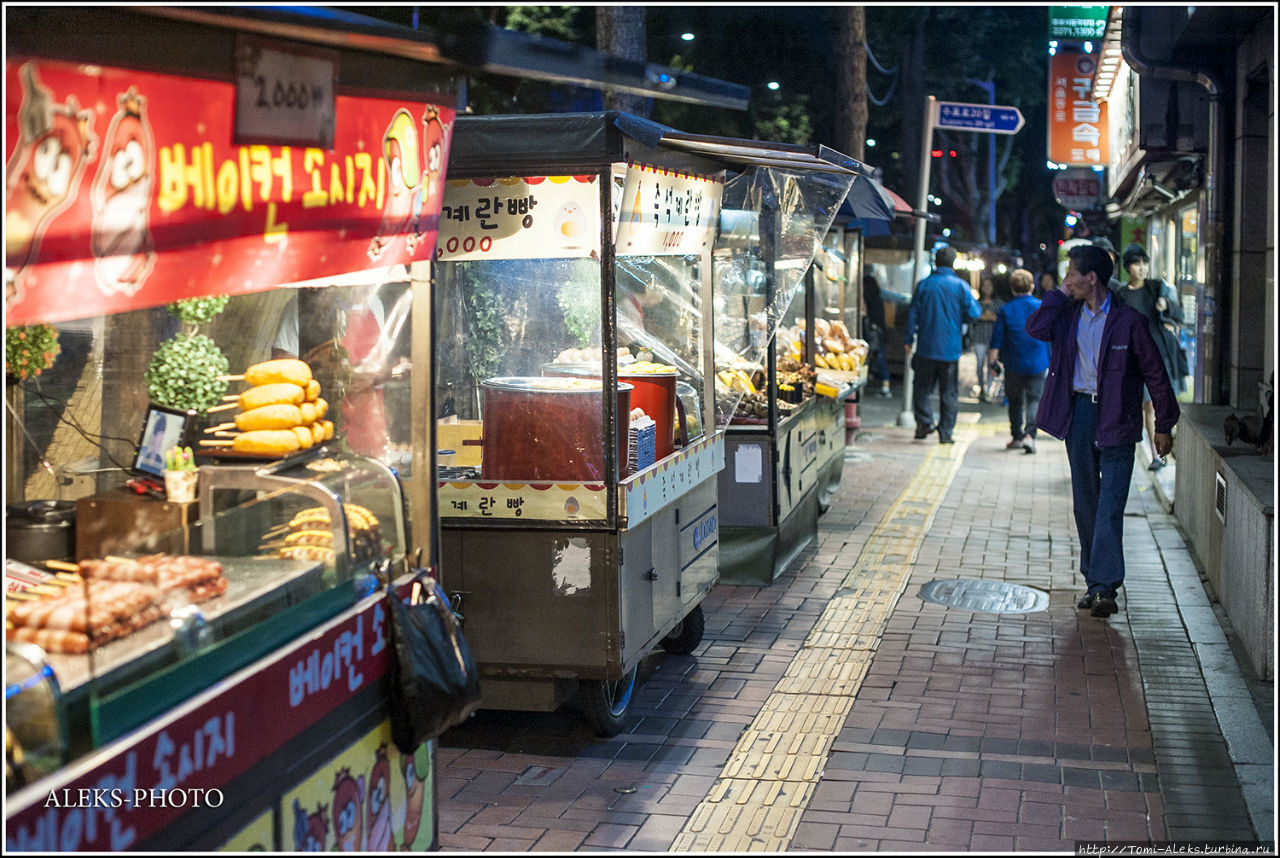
(907, 417)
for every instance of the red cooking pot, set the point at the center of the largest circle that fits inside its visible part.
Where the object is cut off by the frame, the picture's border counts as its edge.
(549, 429)
(655, 394)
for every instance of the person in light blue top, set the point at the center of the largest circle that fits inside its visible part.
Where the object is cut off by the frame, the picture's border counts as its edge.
(940, 307)
(1026, 360)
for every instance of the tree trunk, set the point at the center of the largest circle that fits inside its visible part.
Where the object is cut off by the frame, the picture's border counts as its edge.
(851, 82)
(913, 103)
(620, 32)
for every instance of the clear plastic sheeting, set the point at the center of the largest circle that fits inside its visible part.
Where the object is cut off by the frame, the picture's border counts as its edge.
(518, 338)
(509, 318)
(772, 223)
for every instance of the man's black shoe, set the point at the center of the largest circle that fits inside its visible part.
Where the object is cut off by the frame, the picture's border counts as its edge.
(923, 432)
(1104, 606)
(947, 440)
(1086, 601)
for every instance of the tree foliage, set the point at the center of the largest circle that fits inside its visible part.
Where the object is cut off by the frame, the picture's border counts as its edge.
(929, 50)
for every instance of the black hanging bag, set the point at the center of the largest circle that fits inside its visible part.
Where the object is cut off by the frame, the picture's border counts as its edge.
(433, 681)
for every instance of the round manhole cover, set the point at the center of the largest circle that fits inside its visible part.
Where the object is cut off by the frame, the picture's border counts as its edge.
(993, 597)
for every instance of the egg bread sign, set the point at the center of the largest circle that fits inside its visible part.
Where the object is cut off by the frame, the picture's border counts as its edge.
(529, 217)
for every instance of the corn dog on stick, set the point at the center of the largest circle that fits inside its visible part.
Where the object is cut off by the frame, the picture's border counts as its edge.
(277, 393)
(279, 416)
(306, 438)
(289, 370)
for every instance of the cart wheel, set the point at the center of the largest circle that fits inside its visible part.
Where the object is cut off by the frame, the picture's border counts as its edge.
(685, 638)
(605, 704)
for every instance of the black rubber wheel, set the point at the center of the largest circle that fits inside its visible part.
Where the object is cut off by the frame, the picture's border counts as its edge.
(685, 637)
(605, 703)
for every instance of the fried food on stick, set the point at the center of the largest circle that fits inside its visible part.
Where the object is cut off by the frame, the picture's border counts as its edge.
(286, 370)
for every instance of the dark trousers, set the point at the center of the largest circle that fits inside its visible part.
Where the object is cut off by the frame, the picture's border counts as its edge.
(879, 365)
(1023, 392)
(943, 375)
(1099, 490)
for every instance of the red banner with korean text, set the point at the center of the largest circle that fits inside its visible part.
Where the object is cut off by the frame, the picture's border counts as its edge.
(125, 190)
(1078, 133)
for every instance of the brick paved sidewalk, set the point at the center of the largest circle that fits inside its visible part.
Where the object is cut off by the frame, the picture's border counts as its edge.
(963, 731)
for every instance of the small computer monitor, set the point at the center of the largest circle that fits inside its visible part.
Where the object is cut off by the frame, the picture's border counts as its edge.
(163, 429)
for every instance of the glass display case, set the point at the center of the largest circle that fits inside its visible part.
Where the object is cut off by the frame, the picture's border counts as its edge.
(775, 356)
(274, 549)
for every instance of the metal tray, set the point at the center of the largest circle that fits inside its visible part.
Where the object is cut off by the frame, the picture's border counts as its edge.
(257, 587)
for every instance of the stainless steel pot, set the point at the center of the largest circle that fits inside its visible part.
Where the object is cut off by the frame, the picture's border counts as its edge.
(40, 530)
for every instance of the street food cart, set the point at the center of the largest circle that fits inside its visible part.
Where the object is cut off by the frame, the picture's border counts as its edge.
(784, 445)
(207, 672)
(575, 403)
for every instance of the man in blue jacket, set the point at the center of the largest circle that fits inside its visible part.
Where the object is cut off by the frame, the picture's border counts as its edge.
(1102, 355)
(1026, 360)
(941, 305)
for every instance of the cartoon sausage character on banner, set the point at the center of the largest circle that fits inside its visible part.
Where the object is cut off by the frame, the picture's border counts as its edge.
(123, 251)
(310, 831)
(434, 157)
(43, 174)
(400, 148)
(348, 816)
(378, 823)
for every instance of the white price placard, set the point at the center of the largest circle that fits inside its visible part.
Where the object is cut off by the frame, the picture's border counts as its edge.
(284, 95)
(665, 212)
(530, 217)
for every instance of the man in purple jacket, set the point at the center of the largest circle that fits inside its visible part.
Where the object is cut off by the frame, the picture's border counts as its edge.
(1102, 355)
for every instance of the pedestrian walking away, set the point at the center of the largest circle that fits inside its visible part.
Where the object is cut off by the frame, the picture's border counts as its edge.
(1156, 301)
(980, 334)
(939, 309)
(874, 329)
(1025, 360)
(1101, 355)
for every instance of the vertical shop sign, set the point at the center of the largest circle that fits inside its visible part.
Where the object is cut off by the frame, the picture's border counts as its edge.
(126, 189)
(1078, 133)
(532, 217)
(665, 212)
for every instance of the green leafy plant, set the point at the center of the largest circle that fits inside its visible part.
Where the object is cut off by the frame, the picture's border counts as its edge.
(483, 310)
(197, 311)
(30, 350)
(580, 302)
(184, 373)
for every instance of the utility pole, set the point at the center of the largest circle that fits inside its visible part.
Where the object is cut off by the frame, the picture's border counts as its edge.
(907, 418)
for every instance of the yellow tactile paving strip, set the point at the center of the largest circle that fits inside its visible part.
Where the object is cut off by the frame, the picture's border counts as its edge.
(756, 803)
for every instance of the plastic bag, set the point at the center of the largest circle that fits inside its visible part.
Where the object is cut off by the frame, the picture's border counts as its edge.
(434, 684)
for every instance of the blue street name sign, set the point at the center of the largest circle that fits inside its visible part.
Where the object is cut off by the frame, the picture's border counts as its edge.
(979, 117)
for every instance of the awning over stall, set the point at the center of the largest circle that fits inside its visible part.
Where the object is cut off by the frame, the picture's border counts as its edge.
(871, 200)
